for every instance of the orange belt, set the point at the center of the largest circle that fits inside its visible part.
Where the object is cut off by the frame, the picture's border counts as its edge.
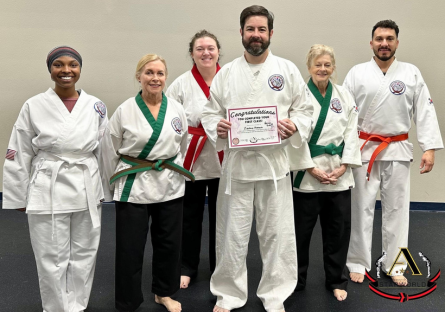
(378, 138)
(194, 150)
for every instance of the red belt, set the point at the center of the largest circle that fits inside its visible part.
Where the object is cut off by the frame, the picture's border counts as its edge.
(379, 138)
(194, 150)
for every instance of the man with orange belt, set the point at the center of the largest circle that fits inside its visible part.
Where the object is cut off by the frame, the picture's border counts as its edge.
(387, 93)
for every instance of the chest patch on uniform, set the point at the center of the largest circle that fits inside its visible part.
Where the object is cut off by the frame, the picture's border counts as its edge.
(335, 106)
(276, 82)
(100, 108)
(397, 87)
(430, 101)
(177, 125)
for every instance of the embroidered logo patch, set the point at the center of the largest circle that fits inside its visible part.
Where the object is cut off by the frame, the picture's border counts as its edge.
(276, 82)
(10, 154)
(177, 125)
(397, 87)
(356, 108)
(100, 108)
(335, 106)
(430, 101)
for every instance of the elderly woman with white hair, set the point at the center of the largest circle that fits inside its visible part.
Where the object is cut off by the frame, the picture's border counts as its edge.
(323, 180)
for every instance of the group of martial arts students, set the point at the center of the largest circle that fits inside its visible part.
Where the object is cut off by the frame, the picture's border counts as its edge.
(65, 158)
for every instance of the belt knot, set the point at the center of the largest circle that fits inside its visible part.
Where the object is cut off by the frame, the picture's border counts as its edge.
(158, 164)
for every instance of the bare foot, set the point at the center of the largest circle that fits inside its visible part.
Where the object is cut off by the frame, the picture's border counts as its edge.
(340, 294)
(399, 280)
(170, 304)
(357, 277)
(218, 309)
(185, 281)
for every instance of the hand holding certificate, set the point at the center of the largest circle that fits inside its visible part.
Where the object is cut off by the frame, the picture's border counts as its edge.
(253, 126)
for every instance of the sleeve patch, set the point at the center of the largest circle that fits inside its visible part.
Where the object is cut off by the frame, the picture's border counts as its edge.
(100, 108)
(10, 154)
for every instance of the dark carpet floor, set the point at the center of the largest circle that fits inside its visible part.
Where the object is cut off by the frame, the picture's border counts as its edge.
(19, 291)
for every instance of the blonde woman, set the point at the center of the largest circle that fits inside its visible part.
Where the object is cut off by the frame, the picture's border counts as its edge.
(144, 148)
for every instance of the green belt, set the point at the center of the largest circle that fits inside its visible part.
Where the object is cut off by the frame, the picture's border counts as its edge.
(317, 150)
(330, 149)
(141, 165)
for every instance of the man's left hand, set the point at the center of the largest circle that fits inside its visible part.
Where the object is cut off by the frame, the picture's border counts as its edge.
(286, 128)
(427, 162)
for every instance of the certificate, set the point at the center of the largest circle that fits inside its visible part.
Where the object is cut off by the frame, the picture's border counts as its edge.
(253, 126)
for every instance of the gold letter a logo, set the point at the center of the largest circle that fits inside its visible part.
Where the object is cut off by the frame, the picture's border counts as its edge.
(409, 259)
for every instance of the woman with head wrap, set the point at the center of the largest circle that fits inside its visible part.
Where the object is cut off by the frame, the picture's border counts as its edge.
(51, 171)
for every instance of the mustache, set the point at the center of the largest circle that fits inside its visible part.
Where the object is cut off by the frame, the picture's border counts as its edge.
(385, 49)
(255, 39)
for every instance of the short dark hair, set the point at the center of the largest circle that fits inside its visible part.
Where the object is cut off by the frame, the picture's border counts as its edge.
(201, 34)
(256, 10)
(386, 24)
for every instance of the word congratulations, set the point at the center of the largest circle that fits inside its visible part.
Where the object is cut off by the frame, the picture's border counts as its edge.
(251, 112)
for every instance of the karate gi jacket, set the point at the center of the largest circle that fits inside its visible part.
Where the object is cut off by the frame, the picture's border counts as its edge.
(129, 130)
(55, 167)
(386, 104)
(235, 86)
(340, 127)
(186, 91)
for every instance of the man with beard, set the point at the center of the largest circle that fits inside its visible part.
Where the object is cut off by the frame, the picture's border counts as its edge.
(387, 93)
(255, 180)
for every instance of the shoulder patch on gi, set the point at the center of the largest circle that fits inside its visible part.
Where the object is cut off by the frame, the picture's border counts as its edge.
(397, 87)
(430, 101)
(335, 106)
(177, 125)
(276, 82)
(10, 154)
(100, 108)
(356, 108)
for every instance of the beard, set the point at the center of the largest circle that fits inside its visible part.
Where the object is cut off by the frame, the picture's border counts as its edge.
(255, 50)
(384, 58)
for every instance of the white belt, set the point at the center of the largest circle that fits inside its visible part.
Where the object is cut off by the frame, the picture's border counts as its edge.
(71, 159)
(228, 166)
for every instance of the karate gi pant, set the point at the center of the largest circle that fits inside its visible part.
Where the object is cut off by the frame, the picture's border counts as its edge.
(132, 222)
(393, 180)
(194, 203)
(66, 262)
(334, 209)
(275, 228)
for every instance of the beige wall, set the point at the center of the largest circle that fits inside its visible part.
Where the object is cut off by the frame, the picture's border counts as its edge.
(112, 35)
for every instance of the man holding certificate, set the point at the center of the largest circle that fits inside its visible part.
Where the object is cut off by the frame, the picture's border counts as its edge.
(259, 103)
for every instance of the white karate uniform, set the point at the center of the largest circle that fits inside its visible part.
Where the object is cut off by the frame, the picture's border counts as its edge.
(386, 104)
(186, 90)
(256, 177)
(55, 175)
(340, 126)
(127, 134)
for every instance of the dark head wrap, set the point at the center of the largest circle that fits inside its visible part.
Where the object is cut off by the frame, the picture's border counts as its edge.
(57, 52)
